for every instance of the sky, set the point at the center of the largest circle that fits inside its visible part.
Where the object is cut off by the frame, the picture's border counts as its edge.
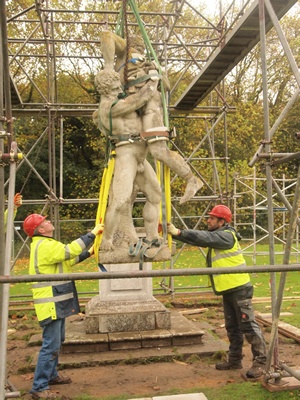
(213, 6)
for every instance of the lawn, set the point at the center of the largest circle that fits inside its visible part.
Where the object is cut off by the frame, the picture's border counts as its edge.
(233, 391)
(190, 257)
(246, 391)
(193, 258)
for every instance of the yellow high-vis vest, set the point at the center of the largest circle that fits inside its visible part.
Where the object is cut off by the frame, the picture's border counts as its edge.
(56, 299)
(226, 259)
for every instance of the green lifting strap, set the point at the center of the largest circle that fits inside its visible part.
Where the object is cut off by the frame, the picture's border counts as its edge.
(143, 78)
(141, 248)
(150, 51)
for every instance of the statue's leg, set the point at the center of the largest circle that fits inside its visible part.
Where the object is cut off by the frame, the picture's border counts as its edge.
(148, 184)
(126, 231)
(111, 45)
(153, 118)
(177, 164)
(153, 112)
(120, 195)
(108, 49)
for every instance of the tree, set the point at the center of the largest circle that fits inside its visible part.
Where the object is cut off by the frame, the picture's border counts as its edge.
(68, 79)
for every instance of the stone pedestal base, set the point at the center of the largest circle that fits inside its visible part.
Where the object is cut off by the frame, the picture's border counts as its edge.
(125, 316)
(126, 305)
(127, 289)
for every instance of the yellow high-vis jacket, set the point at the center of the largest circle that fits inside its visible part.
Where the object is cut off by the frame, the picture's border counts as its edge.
(224, 251)
(233, 257)
(56, 299)
(5, 217)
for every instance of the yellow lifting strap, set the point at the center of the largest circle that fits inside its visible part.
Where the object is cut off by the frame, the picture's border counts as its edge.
(167, 180)
(103, 199)
(165, 205)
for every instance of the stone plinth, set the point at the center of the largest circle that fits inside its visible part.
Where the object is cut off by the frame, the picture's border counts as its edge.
(126, 305)
(125, 316)
(138, 289)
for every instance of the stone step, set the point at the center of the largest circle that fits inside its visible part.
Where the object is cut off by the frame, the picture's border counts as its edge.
(182, 332)
(82, 350)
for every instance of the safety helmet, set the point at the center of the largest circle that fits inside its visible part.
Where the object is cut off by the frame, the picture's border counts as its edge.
(32, 222)
(221, 211)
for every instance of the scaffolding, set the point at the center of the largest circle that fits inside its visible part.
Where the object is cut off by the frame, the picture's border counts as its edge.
(52, 40)
(251, 219)
(44, 42)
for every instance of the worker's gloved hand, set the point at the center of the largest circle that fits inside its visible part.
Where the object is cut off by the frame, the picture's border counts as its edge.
(173, 230)
(18, 200)
(98, 229)
(91, 250)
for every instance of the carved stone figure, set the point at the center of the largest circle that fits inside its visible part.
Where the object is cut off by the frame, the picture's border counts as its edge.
(139, 71)
(120, 121)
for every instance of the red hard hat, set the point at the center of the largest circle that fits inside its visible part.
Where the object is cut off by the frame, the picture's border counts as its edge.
(221, 211)
(32, 222)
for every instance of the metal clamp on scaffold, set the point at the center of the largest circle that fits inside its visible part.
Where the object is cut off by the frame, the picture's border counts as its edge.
(13, 156)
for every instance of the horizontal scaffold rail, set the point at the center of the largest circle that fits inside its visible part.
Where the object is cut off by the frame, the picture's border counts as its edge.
(148, 274)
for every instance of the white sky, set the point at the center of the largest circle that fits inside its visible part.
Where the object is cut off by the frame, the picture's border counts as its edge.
(213, 6)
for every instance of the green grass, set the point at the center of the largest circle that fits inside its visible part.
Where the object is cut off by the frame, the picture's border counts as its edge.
(232, 391)
(247, 391)
(190, 257)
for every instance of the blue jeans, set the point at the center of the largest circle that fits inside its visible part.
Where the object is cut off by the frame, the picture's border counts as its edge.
(46, 367)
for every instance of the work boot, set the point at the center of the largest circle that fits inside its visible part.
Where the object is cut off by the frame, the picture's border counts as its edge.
(256, 371)
(45, 394)
(60, 380)
(229, 365)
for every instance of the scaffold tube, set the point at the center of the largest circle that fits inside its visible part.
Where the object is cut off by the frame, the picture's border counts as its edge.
(148, 274)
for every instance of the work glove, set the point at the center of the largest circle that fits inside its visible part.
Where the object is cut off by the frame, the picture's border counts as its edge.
(18, 200)
(173, 230)
(98, 229)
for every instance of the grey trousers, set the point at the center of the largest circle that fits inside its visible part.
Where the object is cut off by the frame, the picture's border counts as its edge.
(240, 322)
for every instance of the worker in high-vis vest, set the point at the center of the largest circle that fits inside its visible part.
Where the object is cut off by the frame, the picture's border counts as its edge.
(56, 300)
(224, 251)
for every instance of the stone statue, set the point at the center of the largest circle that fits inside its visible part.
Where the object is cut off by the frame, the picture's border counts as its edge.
(140, 71)
(120, 120)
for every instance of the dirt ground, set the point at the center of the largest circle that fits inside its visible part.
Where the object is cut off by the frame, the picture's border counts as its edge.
(144, 379)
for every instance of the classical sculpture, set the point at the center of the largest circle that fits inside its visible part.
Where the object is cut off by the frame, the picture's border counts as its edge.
(139, 71)
(120, 120)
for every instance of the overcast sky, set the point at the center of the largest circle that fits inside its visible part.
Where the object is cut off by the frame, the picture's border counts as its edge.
(213, 6)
